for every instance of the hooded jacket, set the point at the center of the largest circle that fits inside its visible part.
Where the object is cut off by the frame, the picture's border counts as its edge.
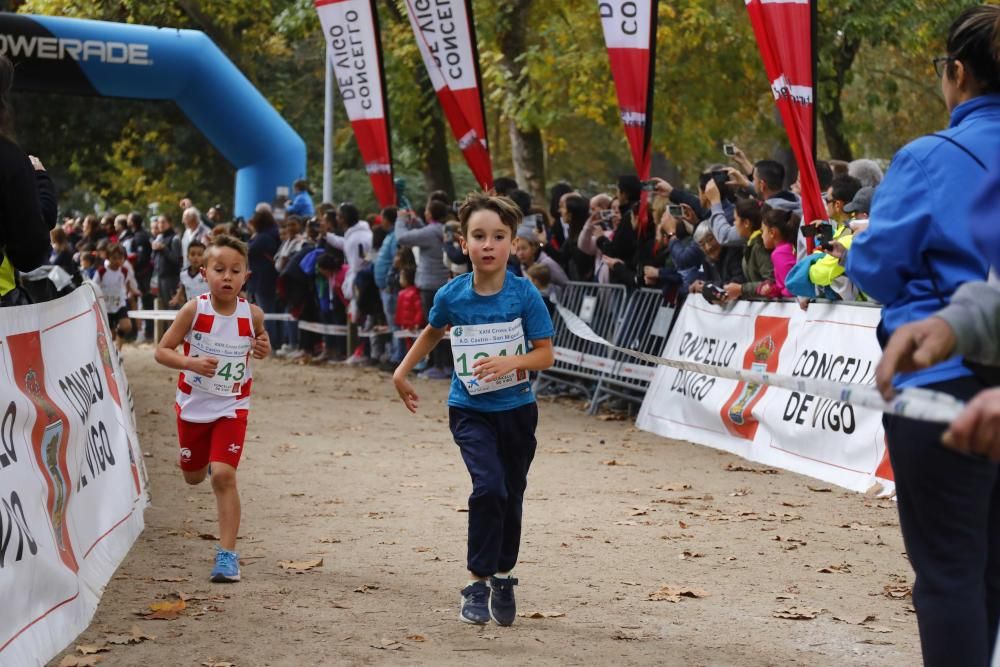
(919, 248)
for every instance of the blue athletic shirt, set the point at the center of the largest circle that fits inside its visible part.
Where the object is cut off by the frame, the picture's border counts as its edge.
(457, 304)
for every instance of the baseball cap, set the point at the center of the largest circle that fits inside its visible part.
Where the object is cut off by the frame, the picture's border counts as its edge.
(862, 202)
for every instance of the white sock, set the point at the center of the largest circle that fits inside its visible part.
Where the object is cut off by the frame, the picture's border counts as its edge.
(502, 575)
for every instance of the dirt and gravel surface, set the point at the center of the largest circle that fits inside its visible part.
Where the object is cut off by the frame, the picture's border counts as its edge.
(637, 550)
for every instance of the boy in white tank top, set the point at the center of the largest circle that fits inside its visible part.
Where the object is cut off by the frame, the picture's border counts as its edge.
(220, 331)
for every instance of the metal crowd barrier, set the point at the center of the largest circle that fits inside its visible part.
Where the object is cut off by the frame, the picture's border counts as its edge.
(644, 326)
(580, 364)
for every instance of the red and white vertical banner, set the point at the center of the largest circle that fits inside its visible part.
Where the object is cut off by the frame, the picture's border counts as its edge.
(784, 32)
(446, 36)
(630, 35)
(351, 30)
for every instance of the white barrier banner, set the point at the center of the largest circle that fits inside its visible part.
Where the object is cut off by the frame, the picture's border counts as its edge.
(72, 479)
(816, 436)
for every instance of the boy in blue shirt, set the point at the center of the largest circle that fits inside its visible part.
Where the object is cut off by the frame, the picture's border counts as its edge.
(500, 331)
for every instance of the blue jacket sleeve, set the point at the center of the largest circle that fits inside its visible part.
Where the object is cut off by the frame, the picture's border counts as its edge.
(885, 256)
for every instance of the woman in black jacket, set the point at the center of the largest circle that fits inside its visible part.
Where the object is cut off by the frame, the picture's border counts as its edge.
(27, 202)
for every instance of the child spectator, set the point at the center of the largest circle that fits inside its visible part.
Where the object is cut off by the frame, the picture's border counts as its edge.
(492, 410)
(116, 288)
(409, 311)
(779, 229)
(193, 283)
(62, 251)
(219, 330)
(541, 277)
(88, 264)
(757, 267)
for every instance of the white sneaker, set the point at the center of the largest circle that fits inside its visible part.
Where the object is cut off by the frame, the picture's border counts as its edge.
(283, 351)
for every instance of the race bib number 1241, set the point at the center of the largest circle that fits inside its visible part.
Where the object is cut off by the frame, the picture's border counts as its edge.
(470, 343)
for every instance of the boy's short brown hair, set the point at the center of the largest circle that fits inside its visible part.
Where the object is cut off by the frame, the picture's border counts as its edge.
(226, 241)
(540, 274)
(115, 250)
(508, 211)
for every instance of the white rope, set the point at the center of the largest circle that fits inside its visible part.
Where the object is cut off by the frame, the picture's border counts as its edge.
(916, 403)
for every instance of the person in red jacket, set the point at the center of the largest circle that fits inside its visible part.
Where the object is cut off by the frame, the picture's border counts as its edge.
(409, 312)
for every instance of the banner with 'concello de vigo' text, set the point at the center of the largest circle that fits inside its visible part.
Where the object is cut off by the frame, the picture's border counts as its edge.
(72, 479)
(812, 435)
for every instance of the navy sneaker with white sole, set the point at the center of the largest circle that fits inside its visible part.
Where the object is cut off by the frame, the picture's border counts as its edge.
(475, 604)
(503, 609)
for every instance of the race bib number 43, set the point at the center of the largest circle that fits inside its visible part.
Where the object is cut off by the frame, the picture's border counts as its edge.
(470, 343)
(233, 356)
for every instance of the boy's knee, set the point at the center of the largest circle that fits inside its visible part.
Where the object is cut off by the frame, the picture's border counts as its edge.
(490, 490)
(194, 477)
(223, 477)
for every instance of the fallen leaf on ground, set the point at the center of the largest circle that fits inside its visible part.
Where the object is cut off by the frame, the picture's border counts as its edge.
(820, 489)
(740, 492)
(366, 588)
(789, 503)
(614, 417)
(874, 490)
(673, 486)
(616, 462)
(300, 565)
(854, 525)
(171, 580)
(855, 619)
(209, 536)
(675, 593)
(736, 467)
(77, 661)
(388, 645)
(625, 636)
(330, 540)
(212, 663)
(878, 628)
(844, 568)
(797, 613)
(461, 509)
(876, 642)
(897, 591)
(90, 649)
(416, 638)
(639, 511)
(690, 554)
(161, 611)
(541, 614)
(626, 523)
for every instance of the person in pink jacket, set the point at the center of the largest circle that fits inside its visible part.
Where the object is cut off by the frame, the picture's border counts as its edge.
(780, 229)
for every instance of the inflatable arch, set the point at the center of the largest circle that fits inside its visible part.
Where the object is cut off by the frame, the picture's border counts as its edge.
(76, 56)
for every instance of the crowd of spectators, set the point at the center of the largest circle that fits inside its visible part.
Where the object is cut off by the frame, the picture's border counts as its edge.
(738, 235)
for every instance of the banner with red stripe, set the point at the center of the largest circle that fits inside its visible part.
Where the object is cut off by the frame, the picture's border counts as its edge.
(630, 36)
(351, 30)
(446, 37)
(784, 32)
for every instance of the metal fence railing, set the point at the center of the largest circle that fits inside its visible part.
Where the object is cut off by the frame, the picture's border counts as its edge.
(580, 363)
(645, 325)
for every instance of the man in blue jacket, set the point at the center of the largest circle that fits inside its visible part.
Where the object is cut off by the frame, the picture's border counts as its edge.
(917, 251)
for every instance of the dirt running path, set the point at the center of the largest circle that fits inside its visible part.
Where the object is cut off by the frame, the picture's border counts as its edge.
(335, 468)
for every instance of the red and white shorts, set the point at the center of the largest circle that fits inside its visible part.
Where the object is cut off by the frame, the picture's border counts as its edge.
(221, 440)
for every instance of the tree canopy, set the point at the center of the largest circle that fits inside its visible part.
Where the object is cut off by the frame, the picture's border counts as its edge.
(550, 100)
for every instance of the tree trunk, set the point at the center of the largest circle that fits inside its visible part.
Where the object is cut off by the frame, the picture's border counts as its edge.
(833, 118)
(527, 150)
(436, 166)
(528, 155)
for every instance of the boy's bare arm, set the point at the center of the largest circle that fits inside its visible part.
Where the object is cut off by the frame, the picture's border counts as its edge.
(428, 338)
(166, 353)
(540, 358)
(262, 342)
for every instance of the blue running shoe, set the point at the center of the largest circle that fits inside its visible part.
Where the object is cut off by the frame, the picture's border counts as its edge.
(475, 604)
(503, 609)
(227, 566)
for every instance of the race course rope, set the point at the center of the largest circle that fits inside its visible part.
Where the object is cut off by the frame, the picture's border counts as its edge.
(916, 403)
